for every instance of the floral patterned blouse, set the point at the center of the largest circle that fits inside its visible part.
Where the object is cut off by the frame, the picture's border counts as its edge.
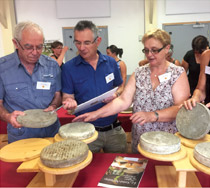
(146, 99)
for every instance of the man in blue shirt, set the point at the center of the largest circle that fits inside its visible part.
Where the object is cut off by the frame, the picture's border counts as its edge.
(89, 75)
(22, 77)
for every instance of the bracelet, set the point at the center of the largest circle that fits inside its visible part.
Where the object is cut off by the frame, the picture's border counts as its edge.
(157, 116)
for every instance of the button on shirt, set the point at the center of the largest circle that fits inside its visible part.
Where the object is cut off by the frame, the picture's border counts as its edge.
(79, 78)
(18, 89)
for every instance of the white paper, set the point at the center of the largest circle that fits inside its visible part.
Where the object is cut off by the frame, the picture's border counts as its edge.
(207, 70)
(94, 101)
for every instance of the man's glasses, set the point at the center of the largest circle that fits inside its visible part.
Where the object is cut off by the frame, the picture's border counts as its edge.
(85, 43)
(153, 51)
(30, 48)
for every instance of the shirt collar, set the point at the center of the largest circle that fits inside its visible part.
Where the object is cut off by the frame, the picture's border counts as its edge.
(100, 59)
(19, 62)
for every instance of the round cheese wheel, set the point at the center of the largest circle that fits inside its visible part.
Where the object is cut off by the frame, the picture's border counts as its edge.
(160, 142)
(37, 118)
(64, 153)
(202, 153)
(195, 123)
(77, 130)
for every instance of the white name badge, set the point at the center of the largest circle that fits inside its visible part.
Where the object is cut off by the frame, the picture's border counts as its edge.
(43, 85)
(164, 77)
(109, 78)
(207, 70)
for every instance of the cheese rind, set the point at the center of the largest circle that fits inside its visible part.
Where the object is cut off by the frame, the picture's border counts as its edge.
(37, 118)
(202, 153)
(77, 130)
(195, 123)
(160, 142)
(64, 153)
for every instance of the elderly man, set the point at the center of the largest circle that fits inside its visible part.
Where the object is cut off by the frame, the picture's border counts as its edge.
(89, 75)
(202, 91)
(22, 75)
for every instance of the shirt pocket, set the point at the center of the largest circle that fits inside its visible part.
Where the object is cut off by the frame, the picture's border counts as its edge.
(17, 92)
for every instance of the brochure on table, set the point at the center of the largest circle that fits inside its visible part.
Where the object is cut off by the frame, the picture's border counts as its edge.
(95, 100)
(124, 172)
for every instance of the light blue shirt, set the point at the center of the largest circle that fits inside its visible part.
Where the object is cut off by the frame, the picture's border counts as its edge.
(19, 90)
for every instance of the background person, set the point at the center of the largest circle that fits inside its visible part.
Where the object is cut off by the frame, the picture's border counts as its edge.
(156, 90)
(58, 52)
(192, 59)
(22, 75)
(113, 51)
(202, 91)
(89, 75)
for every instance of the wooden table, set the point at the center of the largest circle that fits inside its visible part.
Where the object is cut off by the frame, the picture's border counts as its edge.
(91, 175)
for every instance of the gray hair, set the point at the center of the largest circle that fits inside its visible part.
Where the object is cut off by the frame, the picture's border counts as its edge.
(26, 25)
(85, 24)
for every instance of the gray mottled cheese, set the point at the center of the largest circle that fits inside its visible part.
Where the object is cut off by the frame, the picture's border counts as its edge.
(195, 123)
(77, 130)
(65, 153)
(37, 118)
(159, 142)
(202, 153)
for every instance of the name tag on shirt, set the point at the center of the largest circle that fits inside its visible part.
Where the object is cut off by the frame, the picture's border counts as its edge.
(43, 85)
(164, 77)
(109, 78)
(207, 70)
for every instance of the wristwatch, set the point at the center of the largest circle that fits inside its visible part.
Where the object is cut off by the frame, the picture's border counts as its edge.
(157, 115)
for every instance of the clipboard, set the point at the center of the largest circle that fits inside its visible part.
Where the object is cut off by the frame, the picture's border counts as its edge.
(94, 101)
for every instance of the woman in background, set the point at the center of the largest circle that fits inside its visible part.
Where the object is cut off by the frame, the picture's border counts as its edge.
(113, 51)
(192, 59)
(58, 52)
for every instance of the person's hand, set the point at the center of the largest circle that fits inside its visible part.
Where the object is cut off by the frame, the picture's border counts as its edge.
(50, 108)
(13, 118)
(87, 117)
(208, 105)
(142, 117)
(190, 103)
(65, 48)
(69, 104)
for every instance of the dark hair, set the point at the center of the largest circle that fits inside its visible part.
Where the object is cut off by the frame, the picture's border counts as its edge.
(114, 49)
(85, 24)
(56, 44)
(199, 43)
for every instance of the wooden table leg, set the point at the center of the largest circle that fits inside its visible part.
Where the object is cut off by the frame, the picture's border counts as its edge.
(182, 178)
(50, 179)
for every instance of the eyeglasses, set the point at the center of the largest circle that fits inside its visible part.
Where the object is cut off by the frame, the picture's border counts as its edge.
(59, 48)
(30, 48)
(153, 51)
(85, 43)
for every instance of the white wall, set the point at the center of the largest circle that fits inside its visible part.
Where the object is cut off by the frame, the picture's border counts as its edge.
(1, 45)
(163, 18)
(124, 26)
